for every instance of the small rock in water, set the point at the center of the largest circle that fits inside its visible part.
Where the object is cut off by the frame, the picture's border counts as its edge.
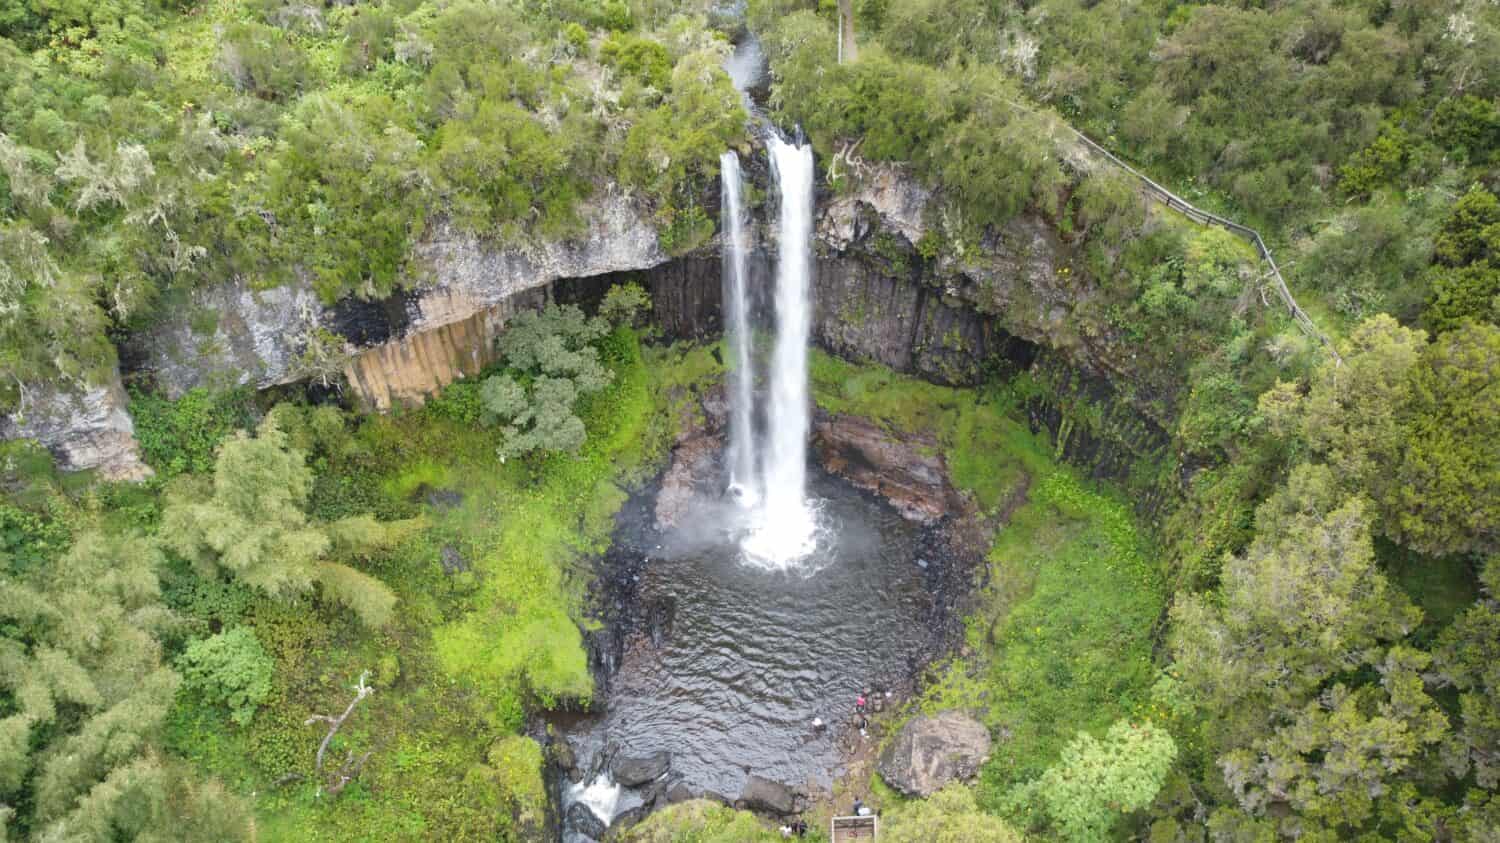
(633, 772)
(763, 794)
(582, 820)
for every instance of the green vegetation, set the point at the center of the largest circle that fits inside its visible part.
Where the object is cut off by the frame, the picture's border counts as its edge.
(147, 149)
(1279, 623)
(700, 821)
(85, 692)
(551, 362)
(1094, 782)
(1061, 632)
(319, 549)
(230, 669)
(949, 816)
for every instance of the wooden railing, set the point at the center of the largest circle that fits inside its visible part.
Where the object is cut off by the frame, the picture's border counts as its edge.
(1202, 217)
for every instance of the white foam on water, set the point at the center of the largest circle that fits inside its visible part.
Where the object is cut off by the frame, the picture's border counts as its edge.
(600, 795)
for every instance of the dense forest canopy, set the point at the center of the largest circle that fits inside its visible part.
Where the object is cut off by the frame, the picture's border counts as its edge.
(1314, 587)
(1313, 697)
(150, 148)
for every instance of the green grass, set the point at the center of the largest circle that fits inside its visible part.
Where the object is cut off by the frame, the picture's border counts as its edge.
(468, 654)
(1064, 633)
(989, 453)
(1060, 632)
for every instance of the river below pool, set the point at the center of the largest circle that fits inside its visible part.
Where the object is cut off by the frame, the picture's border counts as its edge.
(737, 661)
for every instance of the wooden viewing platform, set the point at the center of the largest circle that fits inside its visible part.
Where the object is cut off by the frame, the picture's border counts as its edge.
(851, 829)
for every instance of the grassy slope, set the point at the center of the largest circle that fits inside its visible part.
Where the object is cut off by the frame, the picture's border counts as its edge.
(1060, 637)
(468, 653)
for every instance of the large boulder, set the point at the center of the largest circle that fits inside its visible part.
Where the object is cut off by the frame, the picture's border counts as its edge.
(930, 752)
(909, 472)
(583, 820)
(636, 771)
(83, 427)
(765, 795)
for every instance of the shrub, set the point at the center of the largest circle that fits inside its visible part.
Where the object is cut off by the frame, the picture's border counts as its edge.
(1468, 292)
(181, 436)
(551, 362)
(639, 58)
(230, 669)
(624, 305)
(1377, 164)
(458, 402)
(1095, 782)
(1467, 123)
(949, 816)
(260, 60)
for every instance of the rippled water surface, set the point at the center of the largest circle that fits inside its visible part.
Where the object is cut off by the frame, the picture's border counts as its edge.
(752, 656)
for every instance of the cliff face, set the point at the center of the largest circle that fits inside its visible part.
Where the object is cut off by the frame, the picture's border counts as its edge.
(83, 428)
(1006, 304)
(1011, 302)
(231, 335)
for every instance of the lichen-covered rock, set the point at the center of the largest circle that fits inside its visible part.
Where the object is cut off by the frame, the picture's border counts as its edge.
(894, 196)
(83, 428)
(930, 752)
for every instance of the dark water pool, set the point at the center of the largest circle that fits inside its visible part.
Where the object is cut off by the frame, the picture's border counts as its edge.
(733, 681)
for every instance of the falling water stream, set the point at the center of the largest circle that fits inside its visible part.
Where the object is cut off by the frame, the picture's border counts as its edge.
(741, 459)
(784, 528)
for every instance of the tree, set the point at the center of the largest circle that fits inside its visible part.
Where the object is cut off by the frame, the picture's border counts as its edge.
(1472, 230)
(948, 816)
(1468, 658)
(1335, 757)
(230, 669)
(1084, 794)
(252, 525)
(550, 363)
(1445, 498)
(85, 692)
(1352, 414)
(1305, 602)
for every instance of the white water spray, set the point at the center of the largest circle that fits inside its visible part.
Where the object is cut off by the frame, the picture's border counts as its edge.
(785, 525)
(600, 795)
(743, 481)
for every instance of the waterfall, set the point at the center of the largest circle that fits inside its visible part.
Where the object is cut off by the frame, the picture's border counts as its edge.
(785, 526)
(743, 482)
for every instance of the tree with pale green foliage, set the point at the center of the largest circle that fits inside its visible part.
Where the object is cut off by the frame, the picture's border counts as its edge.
(1467, 659)
(84, 694)
(948, 816)
(1409, 424)
(251, 523)
(551, 363)
(1304, 603)
(1082, 797)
